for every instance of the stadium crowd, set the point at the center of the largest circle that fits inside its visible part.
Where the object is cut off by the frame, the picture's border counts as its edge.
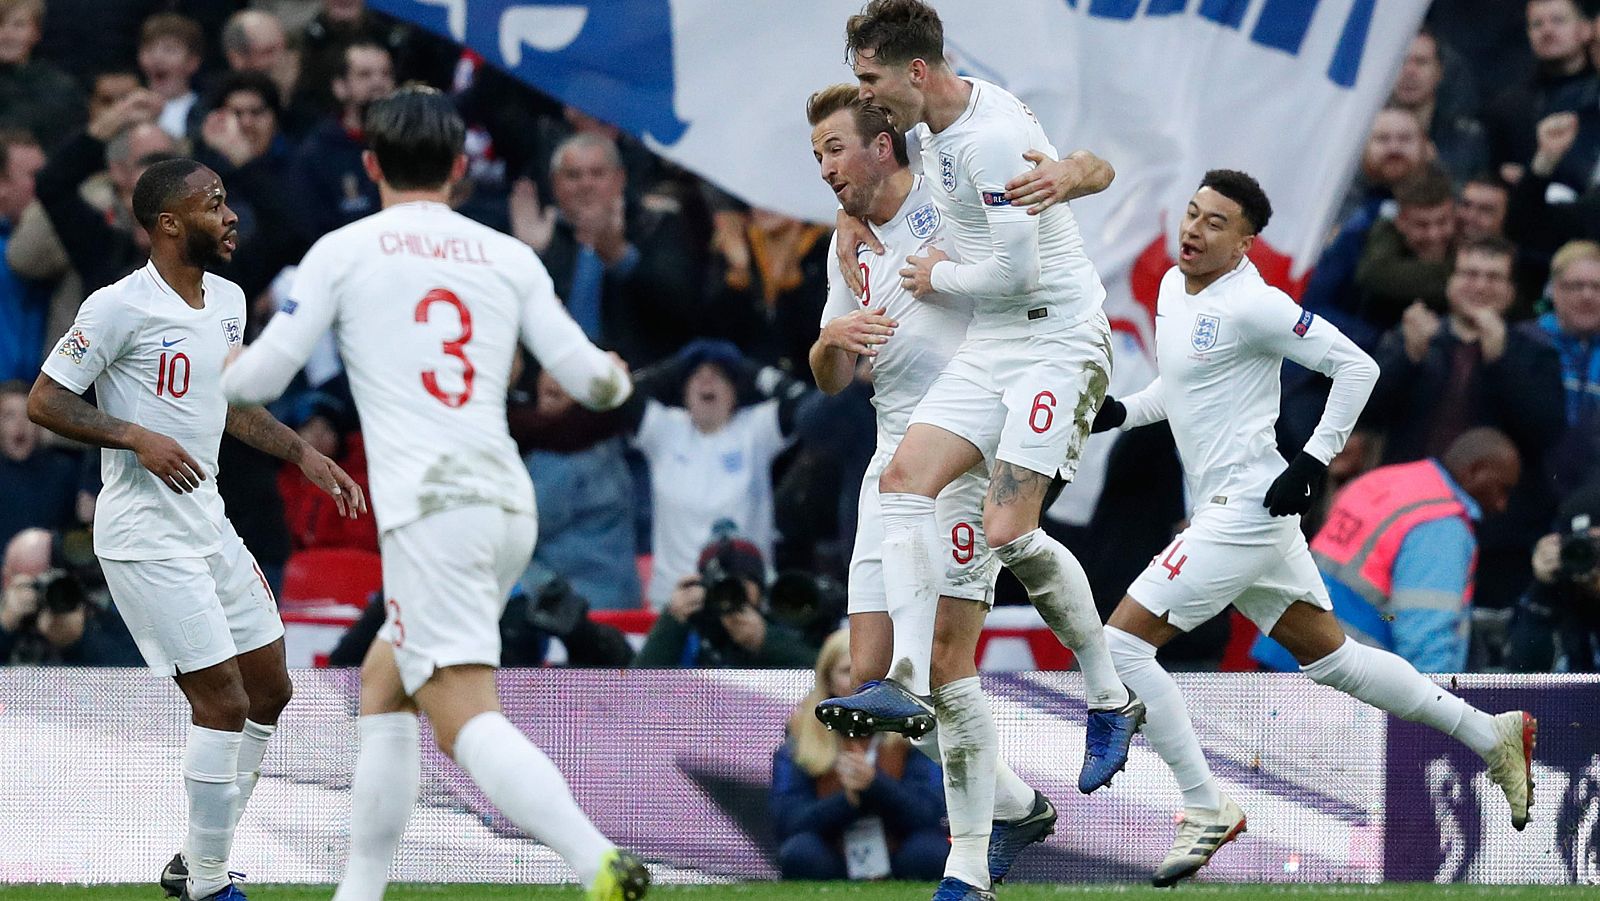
(1465, 258)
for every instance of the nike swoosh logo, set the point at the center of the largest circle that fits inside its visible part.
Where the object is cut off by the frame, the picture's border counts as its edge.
(166, 343)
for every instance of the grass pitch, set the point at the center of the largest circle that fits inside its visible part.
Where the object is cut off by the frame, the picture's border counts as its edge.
(871, 892)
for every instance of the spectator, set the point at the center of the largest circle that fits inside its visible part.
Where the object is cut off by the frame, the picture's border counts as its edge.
(47, 615)
(109, 86)
(1398, 552)
(1573, 325)
(1564, 80)
(170, 50)
(34, 95)
(1481, 208)
(1444, 116)
(253, 40)
(643, 167)
(1442, 376)
(502, 116)
(769, 283)
(629, 274)
(313, 521)
(717, 617)
(1396, 147)
(1408, 260)
(1557, 623)
(1544, 214)
(39, 483)
(845, 808)
(340, 23)
(335, 190)
(24, 302)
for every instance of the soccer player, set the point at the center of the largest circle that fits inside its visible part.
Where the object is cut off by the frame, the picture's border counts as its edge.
(427, 306)
(1021, 388)
(1222, 335)
(153, 345)
(862, 157)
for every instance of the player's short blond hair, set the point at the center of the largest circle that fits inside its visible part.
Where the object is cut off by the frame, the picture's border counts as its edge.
(871, 120)
(9, 8)
(1573, 252)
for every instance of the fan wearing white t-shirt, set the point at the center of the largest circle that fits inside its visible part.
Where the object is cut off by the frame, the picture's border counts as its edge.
(153, 347)
(427, 307)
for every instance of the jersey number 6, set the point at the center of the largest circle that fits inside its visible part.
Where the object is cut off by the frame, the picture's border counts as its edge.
(455, 347)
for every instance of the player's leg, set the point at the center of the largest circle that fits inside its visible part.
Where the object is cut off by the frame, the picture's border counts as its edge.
(217, 698)
(968, 739)
(1386, 681)
(387, 779)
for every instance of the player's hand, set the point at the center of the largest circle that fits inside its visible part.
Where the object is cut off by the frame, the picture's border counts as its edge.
(688, 598)
(1292, 492)
(1049, 182)
(168, 461)
(334, 482)
(860, 331)
(1491, 328)
(917, 276)
(20, 601)
(1112, 414)
(1418, 325)
(852, 234)
(1556, 134)
(747, 627)
(141, 105)
(1547, 559)
(222, 133)
(530, 224)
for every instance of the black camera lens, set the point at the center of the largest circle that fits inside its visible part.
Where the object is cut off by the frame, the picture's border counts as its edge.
(60, 591)
(1580, 556)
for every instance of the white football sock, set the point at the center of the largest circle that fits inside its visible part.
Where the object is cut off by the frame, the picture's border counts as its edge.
(383, 792)
(210, 773)
(252, 747)
(1013, 798)
(1059, 589)
(1389, 683)
(910, 533)
(521, 781)
(970, 749)
(1167, 726)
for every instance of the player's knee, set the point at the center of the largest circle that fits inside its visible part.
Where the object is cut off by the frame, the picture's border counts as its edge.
(806, 856)
(1004, 525)
(223, 707)
(952, 660)
(268, 701)
(897, 478)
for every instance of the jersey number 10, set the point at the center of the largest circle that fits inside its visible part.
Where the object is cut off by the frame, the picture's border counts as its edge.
(170, 378)
(455, 347)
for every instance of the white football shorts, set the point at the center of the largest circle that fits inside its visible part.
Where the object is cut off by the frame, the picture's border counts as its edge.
(1257, 563)
(1028, 401)
(970, 568)
(189, 613)
(446, 578)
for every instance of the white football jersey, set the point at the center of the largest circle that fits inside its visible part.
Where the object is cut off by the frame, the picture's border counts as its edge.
(967, 166)
(426, 306)
(157, 362)
(1220, 353)
(930, 329)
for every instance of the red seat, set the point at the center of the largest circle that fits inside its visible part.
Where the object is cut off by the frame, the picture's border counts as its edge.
(331, 576)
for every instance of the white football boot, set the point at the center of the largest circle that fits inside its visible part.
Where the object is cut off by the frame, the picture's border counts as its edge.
(1511, 761)
(1200, 834)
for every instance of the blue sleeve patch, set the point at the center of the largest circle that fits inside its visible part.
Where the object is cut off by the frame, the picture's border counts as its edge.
(1304, 324)
(996, 198)
(289, 306)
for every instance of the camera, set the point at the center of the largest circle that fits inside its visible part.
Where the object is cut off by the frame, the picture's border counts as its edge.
(812, 605)
(60, 591)
(1580, 556)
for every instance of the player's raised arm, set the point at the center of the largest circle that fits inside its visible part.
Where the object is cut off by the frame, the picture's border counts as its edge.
(260, 374)
(594, 378)
(1078, 174)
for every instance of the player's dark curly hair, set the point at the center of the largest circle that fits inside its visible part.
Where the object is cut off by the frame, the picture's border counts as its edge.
(161, 186)
(416, 135)
(895, 32)
(1243, 189)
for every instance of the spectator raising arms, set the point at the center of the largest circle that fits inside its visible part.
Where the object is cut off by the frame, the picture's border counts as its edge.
(842, 808)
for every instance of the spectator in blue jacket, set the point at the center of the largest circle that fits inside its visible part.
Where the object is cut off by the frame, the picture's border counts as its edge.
(853, 808)
(334, 187)
(1573, 325)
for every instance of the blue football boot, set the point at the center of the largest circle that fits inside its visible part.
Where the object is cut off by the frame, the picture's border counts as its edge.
(952, 889)
(1007, 838)
(878, 706)
(1106, 741)
(230, 892)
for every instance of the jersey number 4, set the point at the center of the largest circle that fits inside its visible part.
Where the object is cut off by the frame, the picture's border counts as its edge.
(456, 347)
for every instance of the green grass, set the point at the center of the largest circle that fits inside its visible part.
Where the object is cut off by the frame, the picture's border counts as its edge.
(875, 892)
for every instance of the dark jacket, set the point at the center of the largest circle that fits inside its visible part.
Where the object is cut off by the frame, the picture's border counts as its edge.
(1391, 277)
(908, 794)
(1511, 122)
(100, 252)
(334, 188)
(673, 644)
(43, 100)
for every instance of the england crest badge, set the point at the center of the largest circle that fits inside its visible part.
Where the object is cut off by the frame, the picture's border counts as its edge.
(231, 331)
(947, 171)
(923, 220)
(1204, 336)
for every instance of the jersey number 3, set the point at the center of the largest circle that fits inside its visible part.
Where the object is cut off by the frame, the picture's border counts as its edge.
(455, 347)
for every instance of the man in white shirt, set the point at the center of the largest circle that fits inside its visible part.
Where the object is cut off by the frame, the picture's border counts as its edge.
(1222, 335)
(908, 341)
(153, 346)
(1022, 388)
(427, 307)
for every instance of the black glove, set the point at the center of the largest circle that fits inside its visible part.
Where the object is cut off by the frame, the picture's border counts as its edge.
(1292, 492)
(1111, 415)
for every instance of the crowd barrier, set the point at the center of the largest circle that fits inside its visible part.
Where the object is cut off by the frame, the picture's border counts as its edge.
(676, 765)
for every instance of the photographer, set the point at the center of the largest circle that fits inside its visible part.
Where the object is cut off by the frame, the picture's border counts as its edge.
(47, 615)
(718, 618)
(1559, 617)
